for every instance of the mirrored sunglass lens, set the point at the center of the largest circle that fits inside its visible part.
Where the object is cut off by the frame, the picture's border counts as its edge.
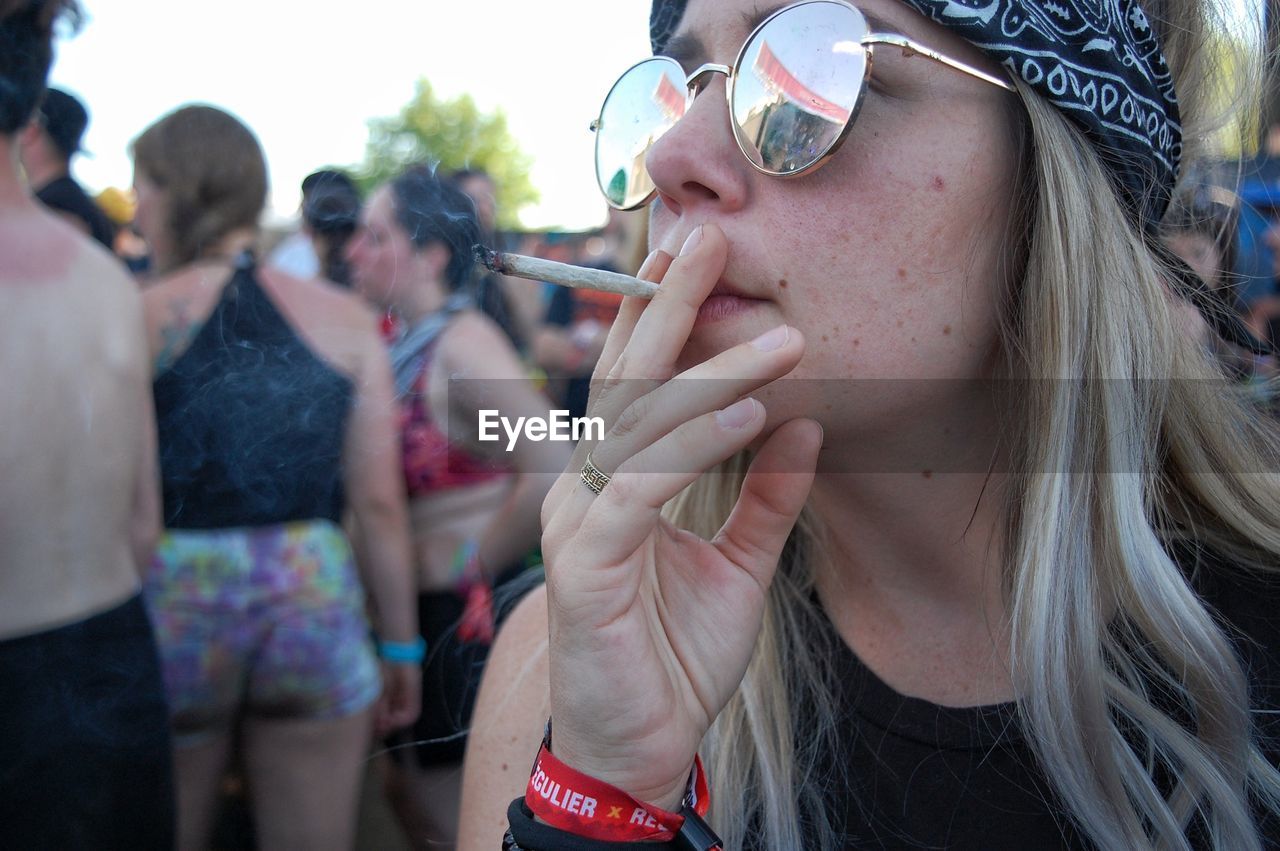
(645, 102)
(799, 84)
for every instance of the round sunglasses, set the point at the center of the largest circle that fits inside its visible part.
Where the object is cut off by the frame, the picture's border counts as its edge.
(793, 91)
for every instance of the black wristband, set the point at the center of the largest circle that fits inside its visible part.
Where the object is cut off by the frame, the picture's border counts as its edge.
(527, 834)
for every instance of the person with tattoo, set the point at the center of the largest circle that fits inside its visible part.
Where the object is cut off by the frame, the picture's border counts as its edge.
(274, 410)
(84, 747)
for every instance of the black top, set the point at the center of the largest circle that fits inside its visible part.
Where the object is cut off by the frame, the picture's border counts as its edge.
(65, 195)
(251, 423)
(911, 774)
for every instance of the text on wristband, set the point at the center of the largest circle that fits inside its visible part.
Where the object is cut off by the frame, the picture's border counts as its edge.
(580, 804)
(566, 799)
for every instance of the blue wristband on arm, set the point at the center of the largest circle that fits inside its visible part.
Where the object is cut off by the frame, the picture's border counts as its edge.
(403, 652)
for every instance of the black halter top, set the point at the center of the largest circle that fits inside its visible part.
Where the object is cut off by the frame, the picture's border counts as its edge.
(251, 422)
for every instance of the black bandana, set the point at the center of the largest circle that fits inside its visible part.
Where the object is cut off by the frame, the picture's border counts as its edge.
(1098, 61)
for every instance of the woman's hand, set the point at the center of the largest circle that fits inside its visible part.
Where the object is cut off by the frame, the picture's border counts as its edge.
(401, 698)
(652, 627)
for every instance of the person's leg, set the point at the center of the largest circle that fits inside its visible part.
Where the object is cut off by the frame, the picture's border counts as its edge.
(198, 770)
(426, 801)
(304, 779)
(194, 589)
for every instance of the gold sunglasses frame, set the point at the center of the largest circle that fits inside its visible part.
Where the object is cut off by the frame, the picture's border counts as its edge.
(698, 80)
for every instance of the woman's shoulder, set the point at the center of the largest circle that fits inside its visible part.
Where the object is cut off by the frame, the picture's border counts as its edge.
(474, 346)
(336, 323)
(317, 300)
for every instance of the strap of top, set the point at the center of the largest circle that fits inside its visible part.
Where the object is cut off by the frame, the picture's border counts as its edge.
(407, 352)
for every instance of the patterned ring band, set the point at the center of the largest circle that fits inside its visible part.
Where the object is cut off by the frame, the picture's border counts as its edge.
(592, 477)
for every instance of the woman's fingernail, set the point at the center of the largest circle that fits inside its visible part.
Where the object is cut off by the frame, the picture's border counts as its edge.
(738, 414)
(648, 263)
(775, 338)
(692, 241)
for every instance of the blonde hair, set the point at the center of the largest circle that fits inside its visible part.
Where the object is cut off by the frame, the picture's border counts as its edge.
(1127, 444)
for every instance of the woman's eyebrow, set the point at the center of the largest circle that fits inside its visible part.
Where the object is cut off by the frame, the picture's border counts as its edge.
(686, 49)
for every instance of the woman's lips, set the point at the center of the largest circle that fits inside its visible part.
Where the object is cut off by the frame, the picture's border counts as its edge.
(724, 301)
(718, 307)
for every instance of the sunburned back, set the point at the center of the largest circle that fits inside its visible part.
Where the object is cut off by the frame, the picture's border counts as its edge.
(73, 426)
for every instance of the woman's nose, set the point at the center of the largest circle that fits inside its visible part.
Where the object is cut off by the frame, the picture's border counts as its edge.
(697, 161)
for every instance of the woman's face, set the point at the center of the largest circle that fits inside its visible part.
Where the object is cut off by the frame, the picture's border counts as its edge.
(380, 253)
(888, 258)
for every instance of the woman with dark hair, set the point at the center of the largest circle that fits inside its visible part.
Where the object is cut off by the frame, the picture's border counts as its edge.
(274, 408)
(84, 741)
(997, 565)
(473, 507)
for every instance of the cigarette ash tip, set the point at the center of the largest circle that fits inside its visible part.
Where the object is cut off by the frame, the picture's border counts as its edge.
(490, 259)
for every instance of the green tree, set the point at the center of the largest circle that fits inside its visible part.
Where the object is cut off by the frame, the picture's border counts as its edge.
(450, 134)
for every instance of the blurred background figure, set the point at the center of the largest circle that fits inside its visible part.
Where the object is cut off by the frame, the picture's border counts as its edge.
(84, 743)
(1203, 228)
(274, 410)
(330, 214)
(571, 337)
(474, 509)
(514, 305)
(297, 253)
(46, 148)
(129, 246)
(1263, 314)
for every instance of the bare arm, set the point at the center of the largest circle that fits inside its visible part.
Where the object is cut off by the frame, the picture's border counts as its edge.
(506, 729)
(475, 350)
(144, 521)
(375, 492)
(377, 503)
(144, 527)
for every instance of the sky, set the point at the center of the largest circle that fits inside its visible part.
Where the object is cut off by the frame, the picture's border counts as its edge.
(307, 76)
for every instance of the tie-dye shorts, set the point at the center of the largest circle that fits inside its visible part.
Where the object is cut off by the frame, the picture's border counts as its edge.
(267, 621)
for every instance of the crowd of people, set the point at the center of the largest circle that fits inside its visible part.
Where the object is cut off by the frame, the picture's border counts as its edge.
(311, 568)
(250, 531)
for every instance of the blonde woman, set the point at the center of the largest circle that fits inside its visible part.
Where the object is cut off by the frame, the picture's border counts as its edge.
(997, 567)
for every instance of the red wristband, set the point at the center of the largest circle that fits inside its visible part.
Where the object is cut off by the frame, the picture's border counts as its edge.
(571, 801)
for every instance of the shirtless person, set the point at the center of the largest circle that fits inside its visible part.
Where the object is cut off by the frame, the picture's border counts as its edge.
(84, 743)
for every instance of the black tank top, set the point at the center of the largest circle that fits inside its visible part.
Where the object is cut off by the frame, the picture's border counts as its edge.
(909, 775)
(250, 421)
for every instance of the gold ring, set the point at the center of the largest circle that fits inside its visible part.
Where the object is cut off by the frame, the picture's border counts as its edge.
(592, 477)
